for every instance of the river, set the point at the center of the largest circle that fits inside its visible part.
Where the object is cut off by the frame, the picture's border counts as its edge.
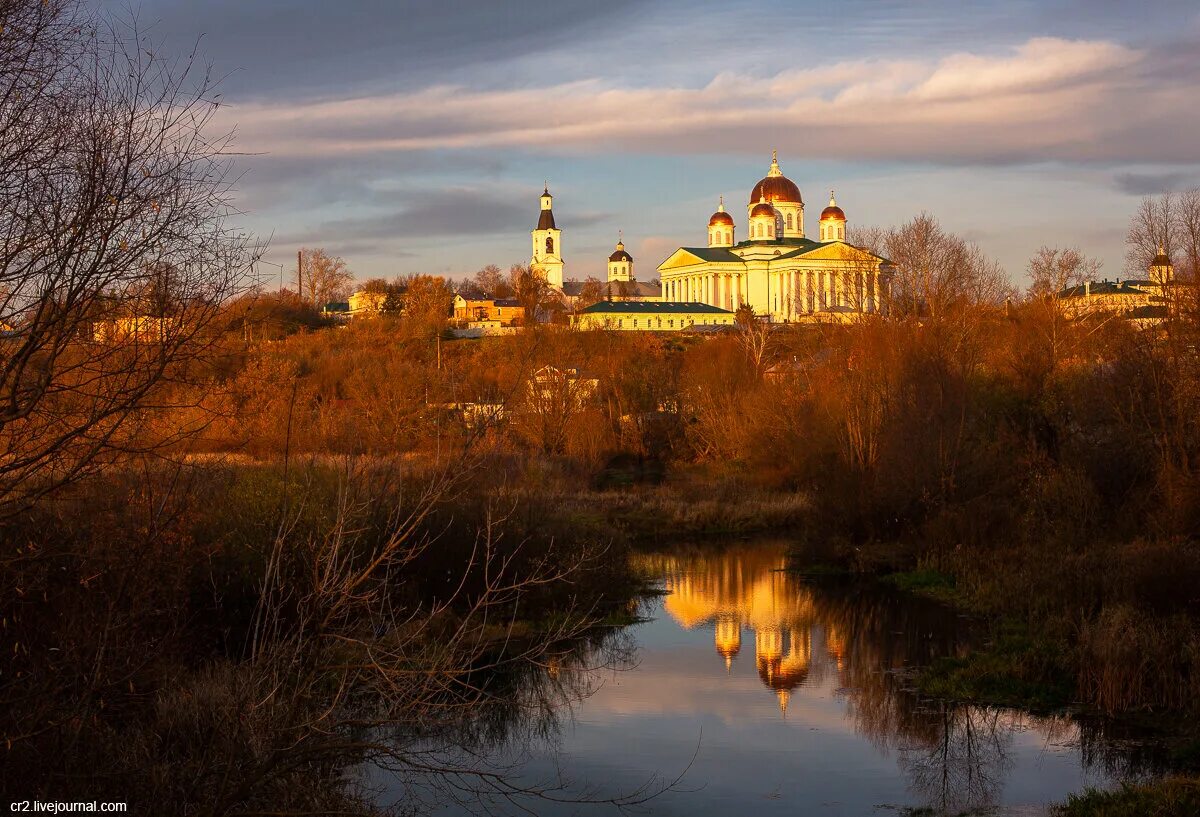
(746, 689)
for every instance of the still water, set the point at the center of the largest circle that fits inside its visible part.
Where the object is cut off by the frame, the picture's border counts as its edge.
(771, 695)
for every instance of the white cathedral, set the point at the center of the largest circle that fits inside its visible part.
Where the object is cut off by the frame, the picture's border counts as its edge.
(777, 270)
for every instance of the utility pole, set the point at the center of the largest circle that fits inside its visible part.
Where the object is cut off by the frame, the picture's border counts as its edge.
(300, 273)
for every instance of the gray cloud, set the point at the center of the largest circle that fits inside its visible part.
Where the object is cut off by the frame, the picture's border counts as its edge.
(269, 181)
(428, 214)
(1151, 184)
(314, 47)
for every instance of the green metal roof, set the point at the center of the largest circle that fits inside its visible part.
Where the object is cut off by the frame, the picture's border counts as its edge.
(803, 243)
(714, 254)
(652, 308)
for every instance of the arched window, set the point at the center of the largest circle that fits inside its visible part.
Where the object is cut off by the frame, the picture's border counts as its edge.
(789, 221)
(549, 245)
(728, 237)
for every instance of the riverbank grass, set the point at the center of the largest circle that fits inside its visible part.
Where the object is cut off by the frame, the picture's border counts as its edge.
(1172, 797)
(1016, 669)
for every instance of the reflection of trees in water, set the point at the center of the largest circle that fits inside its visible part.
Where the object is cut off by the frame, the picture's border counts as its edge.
(964, 766)
(475, 755)
(956, 757)
(1124, 749)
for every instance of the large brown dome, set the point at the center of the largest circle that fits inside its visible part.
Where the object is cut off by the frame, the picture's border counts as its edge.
(776, 188)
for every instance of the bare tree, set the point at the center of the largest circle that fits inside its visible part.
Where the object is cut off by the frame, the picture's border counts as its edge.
(322, 277)
(426, 302)
(530, 288)
(593, 291)
(754, 337)
(1188, 224)
(114, 200)
(491, 282)
(1051, 270)
(1153, 226)
(937, 273)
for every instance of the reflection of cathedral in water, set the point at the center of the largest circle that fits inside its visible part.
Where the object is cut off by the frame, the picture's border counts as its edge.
(749, 593)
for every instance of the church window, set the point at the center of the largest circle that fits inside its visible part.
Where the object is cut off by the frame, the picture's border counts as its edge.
(550, 245)
(789, 221)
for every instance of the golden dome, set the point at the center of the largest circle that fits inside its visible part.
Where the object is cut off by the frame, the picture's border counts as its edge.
(776, 187)
(832, 211)
(762, 209)
(721, 217)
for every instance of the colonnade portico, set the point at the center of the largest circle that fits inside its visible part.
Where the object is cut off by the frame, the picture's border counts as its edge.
(784, 294)
(720, 289)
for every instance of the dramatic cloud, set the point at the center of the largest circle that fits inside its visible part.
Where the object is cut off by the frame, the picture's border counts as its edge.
(1046, 99)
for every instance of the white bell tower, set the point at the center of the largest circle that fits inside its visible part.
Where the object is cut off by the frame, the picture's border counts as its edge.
(547, 244)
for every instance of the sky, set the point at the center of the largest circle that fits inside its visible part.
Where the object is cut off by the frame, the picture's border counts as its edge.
(416, 136)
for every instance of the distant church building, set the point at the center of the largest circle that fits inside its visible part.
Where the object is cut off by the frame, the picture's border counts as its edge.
(547, 260)
(1143, 301)
(776, 270)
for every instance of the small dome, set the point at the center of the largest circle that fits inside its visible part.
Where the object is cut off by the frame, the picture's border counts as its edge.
(1161, 260)
(832, 211)
(620, 254)
(720, 217)
(762, 209)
